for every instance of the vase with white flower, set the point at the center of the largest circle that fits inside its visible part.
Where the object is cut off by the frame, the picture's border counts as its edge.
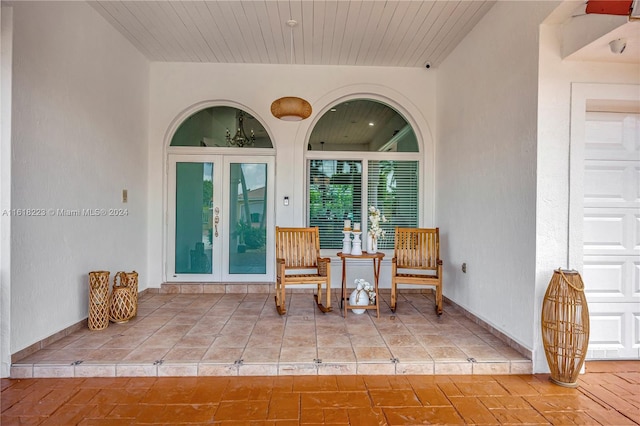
(363, 295)
(375, 232)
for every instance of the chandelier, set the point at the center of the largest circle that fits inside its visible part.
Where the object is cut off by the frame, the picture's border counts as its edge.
(240, 139)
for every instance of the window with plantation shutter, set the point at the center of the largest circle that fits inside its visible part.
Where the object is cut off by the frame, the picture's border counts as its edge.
(335, 194)
(362, 153)
(393, 188)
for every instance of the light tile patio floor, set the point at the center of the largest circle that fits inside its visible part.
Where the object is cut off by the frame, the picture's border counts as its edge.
(241, 334)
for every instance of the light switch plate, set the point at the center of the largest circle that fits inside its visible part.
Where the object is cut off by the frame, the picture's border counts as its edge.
(125, 196)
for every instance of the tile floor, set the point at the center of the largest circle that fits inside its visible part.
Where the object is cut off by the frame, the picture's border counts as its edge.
(607, 395)
(242, 334)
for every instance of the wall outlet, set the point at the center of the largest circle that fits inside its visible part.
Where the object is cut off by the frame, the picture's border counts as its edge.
(125, 196)
(464, 267)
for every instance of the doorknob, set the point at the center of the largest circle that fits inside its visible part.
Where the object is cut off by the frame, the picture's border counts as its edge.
(217, 220)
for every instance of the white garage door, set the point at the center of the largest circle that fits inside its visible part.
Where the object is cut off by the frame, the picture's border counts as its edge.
(612, 234)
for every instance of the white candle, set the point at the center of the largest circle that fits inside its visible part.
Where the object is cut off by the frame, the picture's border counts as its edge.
(356, 226)
(347, 225)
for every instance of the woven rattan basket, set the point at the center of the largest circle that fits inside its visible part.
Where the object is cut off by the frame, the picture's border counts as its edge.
(121, 307)
(98, 300)
(565, 327)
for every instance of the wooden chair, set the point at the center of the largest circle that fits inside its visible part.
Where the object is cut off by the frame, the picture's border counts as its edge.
(416, 260)
(298, 261)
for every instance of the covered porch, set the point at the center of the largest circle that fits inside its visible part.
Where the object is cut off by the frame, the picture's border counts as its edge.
(239, 333)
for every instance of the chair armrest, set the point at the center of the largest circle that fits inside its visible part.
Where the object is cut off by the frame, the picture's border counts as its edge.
(280, 268)
(439, 262)
(323, 263)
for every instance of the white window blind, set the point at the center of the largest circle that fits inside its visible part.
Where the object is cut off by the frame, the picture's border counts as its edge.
(393, 188)
(335, 194)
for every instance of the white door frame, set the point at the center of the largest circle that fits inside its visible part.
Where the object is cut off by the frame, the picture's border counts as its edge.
(580, 94)
(221, 173)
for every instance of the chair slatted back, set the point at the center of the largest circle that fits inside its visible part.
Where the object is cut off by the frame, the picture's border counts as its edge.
(299, 247)
(417, 248)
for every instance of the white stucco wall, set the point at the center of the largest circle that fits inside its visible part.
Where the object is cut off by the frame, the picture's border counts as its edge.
(555, 245)
(176, 88)
(486, 156)
(80, 98)
(6, 44)
(504, 98)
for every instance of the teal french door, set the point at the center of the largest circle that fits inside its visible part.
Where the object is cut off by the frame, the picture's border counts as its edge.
(220, 218)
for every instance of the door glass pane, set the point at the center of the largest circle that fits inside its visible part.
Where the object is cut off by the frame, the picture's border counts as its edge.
(194, 218)
(247, 218)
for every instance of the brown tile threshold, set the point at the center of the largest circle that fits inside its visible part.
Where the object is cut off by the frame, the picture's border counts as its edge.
(346, 400)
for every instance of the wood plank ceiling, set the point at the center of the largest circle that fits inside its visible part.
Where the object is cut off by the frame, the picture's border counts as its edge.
(362, 33)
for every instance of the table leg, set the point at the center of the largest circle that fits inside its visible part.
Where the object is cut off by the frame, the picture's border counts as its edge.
(376, 276)
(344, 287)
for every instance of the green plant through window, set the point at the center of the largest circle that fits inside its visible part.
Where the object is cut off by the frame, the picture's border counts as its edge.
(334, 196)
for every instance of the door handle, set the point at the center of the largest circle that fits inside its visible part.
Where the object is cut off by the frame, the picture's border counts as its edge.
(216, 220)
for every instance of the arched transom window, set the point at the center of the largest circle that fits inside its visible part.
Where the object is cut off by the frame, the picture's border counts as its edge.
(362, 153)
(222, 126)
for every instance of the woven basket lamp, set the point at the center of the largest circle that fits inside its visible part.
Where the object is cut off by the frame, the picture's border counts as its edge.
(291, 108)
(565, 327)
(98, 300)
(121, 307)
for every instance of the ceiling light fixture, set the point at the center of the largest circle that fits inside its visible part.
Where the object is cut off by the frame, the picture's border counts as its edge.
(618, 45)
(291, 108)
(240, 139)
